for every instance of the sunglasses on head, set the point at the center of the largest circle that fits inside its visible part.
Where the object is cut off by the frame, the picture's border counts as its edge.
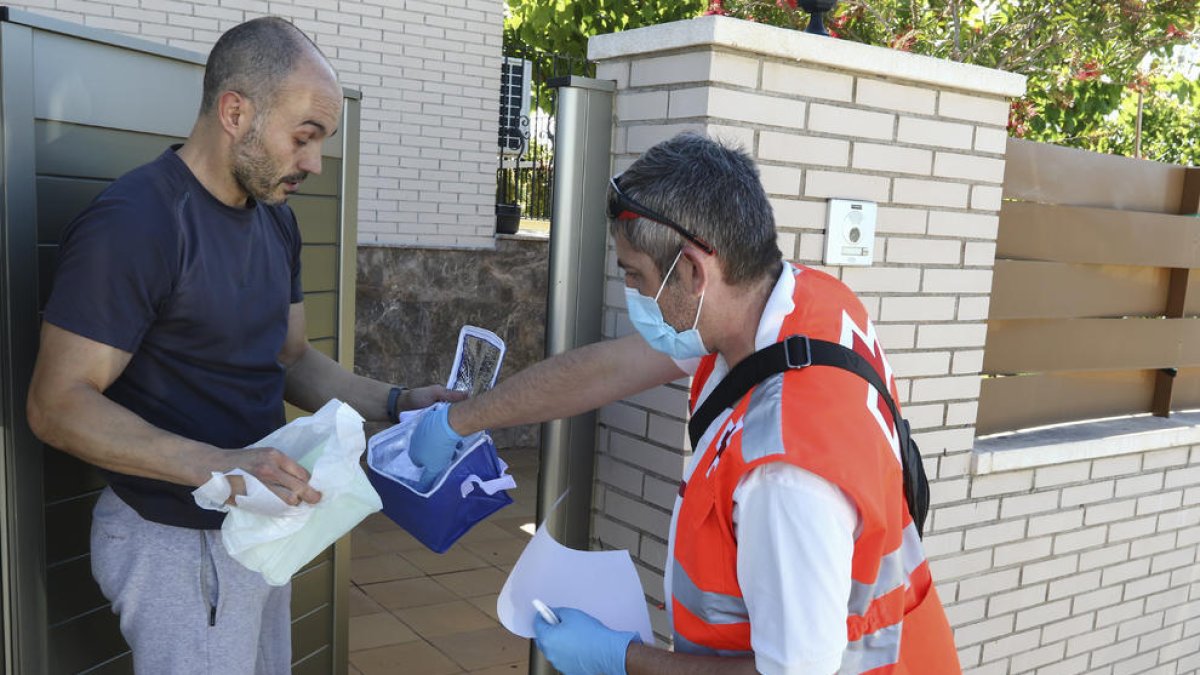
(622, 207)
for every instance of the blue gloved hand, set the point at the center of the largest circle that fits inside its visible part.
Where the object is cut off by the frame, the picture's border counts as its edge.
(433, 444)
(581, 645)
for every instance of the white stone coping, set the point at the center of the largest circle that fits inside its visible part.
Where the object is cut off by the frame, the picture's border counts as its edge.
(525, 235)
(816, 50)
(1084, 441)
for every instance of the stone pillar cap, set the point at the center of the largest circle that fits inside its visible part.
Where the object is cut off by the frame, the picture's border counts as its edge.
(812, 50)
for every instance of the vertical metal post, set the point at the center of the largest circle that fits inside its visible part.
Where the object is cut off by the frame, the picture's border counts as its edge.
(347, 269)
(578, 231)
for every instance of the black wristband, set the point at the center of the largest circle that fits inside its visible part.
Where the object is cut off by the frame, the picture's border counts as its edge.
(393, 411)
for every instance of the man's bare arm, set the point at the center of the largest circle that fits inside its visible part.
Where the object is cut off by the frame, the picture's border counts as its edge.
(568, 384)
(643, 660)
(68, 410)
(313, 378)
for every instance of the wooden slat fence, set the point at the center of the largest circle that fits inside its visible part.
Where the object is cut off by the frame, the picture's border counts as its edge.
(1095, 310)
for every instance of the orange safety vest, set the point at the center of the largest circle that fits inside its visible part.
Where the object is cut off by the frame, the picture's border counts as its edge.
(831, 423)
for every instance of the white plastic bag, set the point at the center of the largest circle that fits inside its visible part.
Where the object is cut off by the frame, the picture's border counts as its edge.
(266, 535)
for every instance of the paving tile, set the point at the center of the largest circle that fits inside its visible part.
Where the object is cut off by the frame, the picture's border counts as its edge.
(454, 560)
(361, 604)
(377, 522)
(484, 531)
(525, 508)
(486, 604)
(483, 648)
(526, 492)
(386, 567)
(378, 630)
(519, 668)
(442, 619)
(396, 541)
(513, 525)
(417, 657)
(498, 552)
(362, 544)
(473, 582)
(407, 593)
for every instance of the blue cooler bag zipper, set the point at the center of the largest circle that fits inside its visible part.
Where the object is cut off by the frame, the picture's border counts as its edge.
(471, 489)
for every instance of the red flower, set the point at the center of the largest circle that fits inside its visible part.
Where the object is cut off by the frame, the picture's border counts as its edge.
(904, 41)
(786, 3)
(1089, 71)
(1019, 114)
(1141, 82)
(715, 7)
(1173, 32)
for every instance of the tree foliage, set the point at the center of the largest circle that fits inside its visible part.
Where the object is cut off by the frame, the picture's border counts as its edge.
(1079, 55)
(1169, 133)
(564, 26)
(1084, 60)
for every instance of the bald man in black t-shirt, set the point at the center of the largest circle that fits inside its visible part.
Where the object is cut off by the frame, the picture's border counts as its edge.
(173, 334)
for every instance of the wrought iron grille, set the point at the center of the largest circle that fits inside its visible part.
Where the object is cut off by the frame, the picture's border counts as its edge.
(525, 167)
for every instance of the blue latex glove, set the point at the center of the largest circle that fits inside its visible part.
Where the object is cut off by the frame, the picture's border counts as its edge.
(433, 444)
(581, 645)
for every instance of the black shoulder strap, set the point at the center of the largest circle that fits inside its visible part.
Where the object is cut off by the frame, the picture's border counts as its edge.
(798, 351)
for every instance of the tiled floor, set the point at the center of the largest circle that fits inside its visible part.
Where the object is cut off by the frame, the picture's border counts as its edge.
(414, 611)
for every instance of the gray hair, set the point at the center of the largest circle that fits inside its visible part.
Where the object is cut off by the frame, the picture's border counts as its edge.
(711, 189)
(254, 58)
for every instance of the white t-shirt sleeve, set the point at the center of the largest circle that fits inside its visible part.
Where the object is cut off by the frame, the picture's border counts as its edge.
(688, 366)
(796, 535)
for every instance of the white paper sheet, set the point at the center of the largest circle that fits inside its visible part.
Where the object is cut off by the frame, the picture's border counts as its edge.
(601, 583)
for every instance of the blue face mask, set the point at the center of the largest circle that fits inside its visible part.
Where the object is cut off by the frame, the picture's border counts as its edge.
(647, 318)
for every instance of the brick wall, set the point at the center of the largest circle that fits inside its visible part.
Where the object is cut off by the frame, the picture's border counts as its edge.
(429, 72)
(1085, 566)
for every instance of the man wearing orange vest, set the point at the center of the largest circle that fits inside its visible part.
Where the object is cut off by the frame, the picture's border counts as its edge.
(791, 547)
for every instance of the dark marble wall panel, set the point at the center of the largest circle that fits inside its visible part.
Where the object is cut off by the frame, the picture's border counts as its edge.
(412, 303)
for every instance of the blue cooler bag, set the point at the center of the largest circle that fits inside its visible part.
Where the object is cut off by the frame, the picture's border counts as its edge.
(471, 489)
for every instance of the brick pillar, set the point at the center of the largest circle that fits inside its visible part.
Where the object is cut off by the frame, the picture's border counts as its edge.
(823, 118)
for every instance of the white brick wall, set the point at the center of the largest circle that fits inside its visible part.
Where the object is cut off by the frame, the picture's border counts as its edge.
(429, 73)
(1099, 579)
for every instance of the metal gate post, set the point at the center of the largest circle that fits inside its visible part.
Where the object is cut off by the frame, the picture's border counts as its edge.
(574, 306)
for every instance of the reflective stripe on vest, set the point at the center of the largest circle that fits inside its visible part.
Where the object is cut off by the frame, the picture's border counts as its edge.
(895, 568)
(762, 434)
(714, 608)
(876, 650)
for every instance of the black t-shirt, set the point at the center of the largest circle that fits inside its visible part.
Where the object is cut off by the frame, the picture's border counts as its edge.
(199, 293)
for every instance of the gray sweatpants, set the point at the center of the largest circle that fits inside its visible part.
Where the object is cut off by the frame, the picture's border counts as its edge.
(186, 607)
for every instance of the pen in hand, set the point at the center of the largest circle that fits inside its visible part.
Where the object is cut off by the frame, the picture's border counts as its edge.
(546, 612)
